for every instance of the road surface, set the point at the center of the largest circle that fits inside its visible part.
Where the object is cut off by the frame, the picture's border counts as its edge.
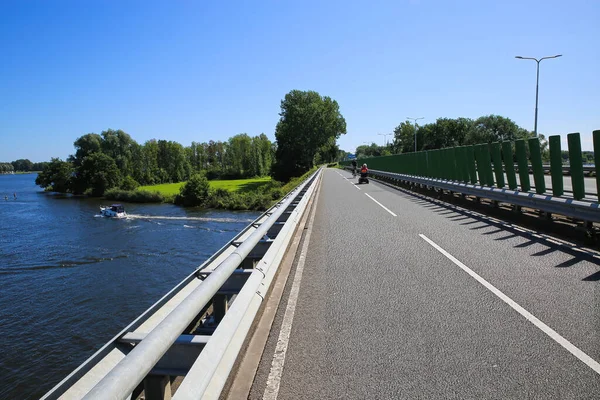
(401, 297)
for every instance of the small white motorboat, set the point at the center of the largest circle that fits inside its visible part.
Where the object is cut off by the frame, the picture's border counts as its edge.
(114, 211)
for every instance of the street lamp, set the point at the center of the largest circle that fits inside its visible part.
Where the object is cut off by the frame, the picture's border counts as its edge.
(537, 83)
(415, 119)
(385, 135)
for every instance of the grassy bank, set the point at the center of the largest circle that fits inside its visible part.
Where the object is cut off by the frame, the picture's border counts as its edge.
(235, 185)
(240, 194)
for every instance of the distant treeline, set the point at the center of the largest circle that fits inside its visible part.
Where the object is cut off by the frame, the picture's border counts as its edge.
(112, 159)
(454, 132)
(21, 166)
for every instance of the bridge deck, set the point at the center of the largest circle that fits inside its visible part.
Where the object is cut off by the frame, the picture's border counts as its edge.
(383, 313)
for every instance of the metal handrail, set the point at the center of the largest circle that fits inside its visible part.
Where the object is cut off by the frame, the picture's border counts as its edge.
(122, 380)
(578, 209)
(207, 370)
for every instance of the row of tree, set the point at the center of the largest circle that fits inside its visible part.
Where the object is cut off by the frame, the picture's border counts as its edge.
(448, 132)
(6, 168)
(21, 165)
(305, 134)
(113, 159)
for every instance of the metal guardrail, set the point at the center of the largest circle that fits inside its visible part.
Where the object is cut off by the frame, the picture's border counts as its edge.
(209, 373)
(123, 377)
(578, 209)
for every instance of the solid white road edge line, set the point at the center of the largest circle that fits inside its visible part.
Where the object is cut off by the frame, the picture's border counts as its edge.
(276, 372)
(381, 205)
(353, 184)
(590, 362)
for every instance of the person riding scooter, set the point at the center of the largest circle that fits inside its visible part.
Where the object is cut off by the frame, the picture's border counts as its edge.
(364, 174)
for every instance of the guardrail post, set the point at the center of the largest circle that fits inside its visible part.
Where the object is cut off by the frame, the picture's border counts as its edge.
(576, 164)
(509, 165)
(596, 135)
(523, 167)
(536, 165)
(497, 160)
(470, 156)
(556, 165)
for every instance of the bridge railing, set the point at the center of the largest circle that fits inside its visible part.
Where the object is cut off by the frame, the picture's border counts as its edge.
(198, 328)
(493, 165)
(577, 209)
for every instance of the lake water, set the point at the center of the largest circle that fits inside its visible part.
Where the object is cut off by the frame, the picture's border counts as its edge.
(70, 280)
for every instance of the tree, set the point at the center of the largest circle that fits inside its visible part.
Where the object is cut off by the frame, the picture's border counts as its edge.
(328, 152)
(494, 128)
(404, 138)
(22, 165)
(372, 150)
(307, 122)
(56, 176)
(267, 152)
(239, 157)
(194, 192)
(98, 172)
(6, 168)
(39, 166)
(118, 145)
(85, 146)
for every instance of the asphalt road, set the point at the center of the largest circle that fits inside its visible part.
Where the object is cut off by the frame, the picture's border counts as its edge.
(382, 313)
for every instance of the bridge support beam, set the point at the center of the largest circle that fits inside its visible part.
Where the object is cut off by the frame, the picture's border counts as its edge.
(220, 306)
(157, 387)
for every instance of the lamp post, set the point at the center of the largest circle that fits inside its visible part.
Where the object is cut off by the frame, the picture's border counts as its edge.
(415, 119)
(537, 83)
(385, 135)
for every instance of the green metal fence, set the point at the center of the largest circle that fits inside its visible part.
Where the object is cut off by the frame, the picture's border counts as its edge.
(494, 164)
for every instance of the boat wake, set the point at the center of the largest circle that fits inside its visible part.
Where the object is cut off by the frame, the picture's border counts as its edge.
(204, 219)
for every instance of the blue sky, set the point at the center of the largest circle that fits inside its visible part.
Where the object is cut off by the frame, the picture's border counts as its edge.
(195, 71)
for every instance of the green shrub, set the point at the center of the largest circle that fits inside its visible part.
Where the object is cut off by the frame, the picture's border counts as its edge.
(134, 196)
(194, 192)
(129, 183)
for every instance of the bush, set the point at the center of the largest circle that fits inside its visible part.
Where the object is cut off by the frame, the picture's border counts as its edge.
(219, 198)
(134, 196)
(194, 192)
(129, 183)
(276, 194)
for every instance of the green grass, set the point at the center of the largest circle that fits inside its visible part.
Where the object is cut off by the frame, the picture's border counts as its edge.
(241, 185)
(166, 189)
(236, 185)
